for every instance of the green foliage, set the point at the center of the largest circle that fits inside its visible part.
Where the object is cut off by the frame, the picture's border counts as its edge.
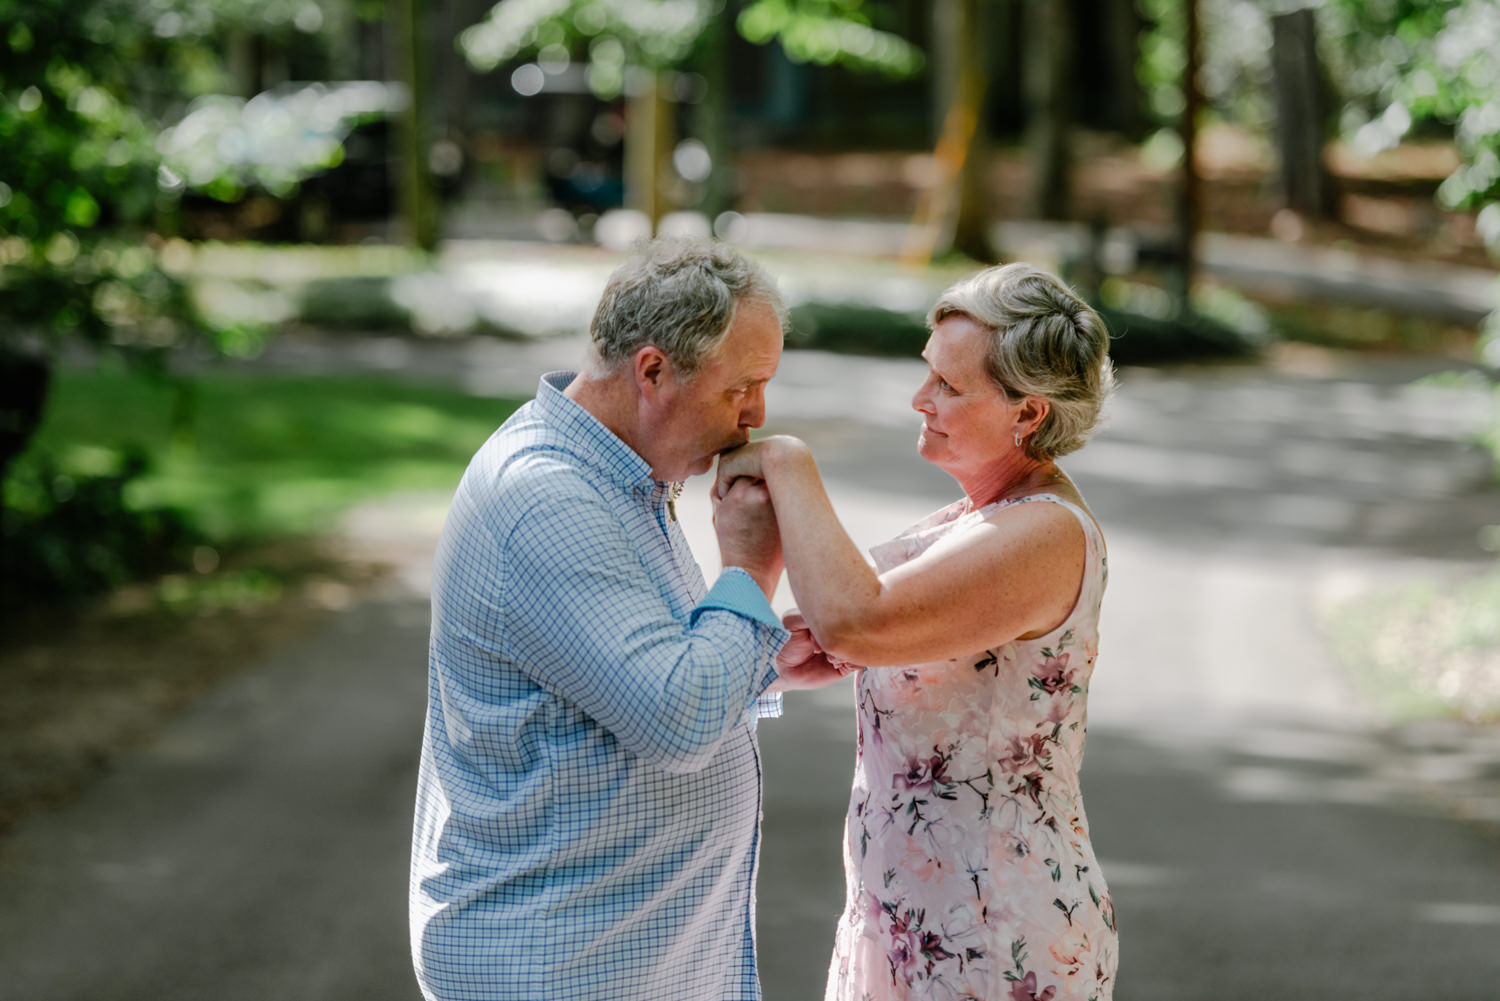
(1395, 65)
(1145, 328)
(88, 172)
(225, 146)
(1433, 62)
(1398, 68)
(1147, 325)
(266, 457)
(829, 32)
(88, 163)
(352, 303)
(1234, 72)
(1427, 649)
(65, 535)
(857, 328)
(621, 35)
(112, 491)
(85, 89)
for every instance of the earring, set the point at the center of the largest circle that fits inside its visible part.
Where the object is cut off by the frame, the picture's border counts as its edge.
(1019, 443)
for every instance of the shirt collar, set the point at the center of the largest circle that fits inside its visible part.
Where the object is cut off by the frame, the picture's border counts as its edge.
(589, 438)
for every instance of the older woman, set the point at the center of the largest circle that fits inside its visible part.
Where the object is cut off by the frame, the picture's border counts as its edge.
(970, 872)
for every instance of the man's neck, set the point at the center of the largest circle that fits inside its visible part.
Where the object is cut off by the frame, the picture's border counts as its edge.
(611, 400)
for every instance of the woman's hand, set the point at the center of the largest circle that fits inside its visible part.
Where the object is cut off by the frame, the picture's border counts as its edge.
(802, 664)
(753, 461)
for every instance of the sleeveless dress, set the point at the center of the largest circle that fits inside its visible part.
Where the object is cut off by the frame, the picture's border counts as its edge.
(966, 850)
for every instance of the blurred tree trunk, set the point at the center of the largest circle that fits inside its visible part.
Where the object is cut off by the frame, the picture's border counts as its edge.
(24, 381)
(954, 212)
(1121, 30)
(1301, 111)
(712, 114)
(1049, 85)
(241, 63)
(343, 51)
(1189, 190)
(416, 205)
(648, 145)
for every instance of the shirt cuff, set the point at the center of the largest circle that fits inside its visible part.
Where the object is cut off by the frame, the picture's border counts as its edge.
(768, 706)
(736, 591)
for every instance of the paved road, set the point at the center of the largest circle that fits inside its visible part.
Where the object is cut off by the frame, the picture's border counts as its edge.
(1262, 835)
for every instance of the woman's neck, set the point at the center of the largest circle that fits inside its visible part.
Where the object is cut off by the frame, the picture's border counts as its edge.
(1016, 478)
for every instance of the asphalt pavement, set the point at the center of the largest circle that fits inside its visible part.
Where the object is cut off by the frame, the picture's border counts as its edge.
(1263, 832)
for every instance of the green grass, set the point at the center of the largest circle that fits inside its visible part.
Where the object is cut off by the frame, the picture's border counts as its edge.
(1425, 650)
(267, 456)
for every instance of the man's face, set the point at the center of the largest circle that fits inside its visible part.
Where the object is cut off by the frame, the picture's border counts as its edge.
(715, 409)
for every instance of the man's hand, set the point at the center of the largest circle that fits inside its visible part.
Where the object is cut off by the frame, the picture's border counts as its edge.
(745, 523)
(802, 664)
(753, 458)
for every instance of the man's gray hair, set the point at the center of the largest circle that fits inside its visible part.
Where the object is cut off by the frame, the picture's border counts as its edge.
(1043, 341)
(679, 296)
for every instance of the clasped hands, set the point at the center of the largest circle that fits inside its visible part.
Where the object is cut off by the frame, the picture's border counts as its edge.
(745, 522)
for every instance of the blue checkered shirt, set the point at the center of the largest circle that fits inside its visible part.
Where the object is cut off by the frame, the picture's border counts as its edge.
(588, 802)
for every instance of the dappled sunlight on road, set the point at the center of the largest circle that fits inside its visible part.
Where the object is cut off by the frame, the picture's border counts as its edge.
(1242, 455)
(1459, 914)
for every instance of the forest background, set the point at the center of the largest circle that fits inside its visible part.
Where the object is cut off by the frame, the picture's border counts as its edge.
(184, 186)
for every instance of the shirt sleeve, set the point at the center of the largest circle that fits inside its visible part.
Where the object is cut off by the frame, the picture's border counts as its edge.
(736, 591)
(584, 619)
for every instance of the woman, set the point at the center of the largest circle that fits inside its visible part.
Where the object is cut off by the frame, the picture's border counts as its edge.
(970, 873)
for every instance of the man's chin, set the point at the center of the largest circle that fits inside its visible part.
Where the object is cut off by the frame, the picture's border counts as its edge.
(704, 464)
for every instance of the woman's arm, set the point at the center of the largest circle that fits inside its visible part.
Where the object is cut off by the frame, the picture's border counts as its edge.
(1016, 574)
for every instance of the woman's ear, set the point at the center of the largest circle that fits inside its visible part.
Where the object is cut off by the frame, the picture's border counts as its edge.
(1033, 411)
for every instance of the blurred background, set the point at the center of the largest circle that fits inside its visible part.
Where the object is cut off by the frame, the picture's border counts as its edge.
(271, 271)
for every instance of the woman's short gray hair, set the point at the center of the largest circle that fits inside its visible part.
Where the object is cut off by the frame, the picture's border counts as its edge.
(1044, 341)
(679, 296)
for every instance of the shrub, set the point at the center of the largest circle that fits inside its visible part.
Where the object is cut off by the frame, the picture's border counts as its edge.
(66, 535)
(1136, 337)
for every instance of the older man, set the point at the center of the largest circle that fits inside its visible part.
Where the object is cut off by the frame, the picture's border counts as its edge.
(589, 796)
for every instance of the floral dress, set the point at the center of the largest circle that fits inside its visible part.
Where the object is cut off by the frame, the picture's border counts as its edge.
(966, 851)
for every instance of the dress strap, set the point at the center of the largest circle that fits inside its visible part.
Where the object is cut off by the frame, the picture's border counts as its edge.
(1090, 526)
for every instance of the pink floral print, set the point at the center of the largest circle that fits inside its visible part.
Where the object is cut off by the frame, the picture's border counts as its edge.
(967, 856)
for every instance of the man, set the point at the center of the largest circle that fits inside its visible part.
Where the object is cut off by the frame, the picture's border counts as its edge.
(589, 796)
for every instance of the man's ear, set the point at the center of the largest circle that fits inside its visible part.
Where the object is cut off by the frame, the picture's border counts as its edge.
(652, 371)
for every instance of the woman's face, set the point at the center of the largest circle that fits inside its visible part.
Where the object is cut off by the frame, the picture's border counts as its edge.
(968, 422)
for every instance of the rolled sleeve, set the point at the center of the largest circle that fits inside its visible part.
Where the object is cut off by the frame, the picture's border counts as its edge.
(736, 591)
(585, 620)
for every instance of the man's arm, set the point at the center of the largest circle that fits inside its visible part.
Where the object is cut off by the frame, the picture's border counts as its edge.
(584, 619)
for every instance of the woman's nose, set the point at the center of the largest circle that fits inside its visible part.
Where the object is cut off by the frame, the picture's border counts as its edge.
(921, 400)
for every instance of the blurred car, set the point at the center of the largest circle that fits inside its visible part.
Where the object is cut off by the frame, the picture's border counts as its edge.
(293, 161)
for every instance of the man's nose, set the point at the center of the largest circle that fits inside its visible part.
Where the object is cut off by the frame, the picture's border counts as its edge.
(754, 413)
